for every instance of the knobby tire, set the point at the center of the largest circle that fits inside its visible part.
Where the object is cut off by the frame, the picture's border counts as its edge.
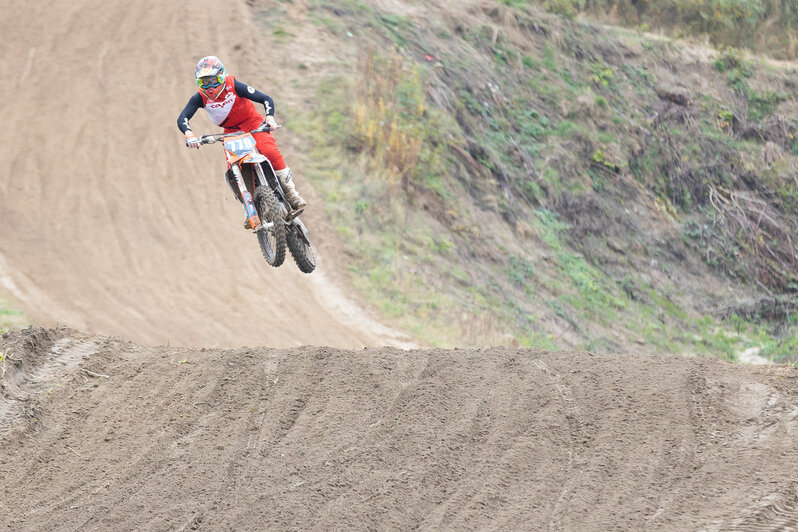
(300, 250)
(272, 241)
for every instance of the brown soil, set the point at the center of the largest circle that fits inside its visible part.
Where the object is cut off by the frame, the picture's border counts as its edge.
(102, 434)
(109, 226)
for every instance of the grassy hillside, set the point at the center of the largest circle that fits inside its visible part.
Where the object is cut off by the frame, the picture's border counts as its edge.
(505, 176)
(763, 26)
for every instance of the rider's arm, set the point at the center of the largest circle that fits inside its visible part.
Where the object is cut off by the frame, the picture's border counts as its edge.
(245, 91)
(194, 103)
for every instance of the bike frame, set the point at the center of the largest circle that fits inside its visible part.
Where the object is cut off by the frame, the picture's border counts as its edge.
(285, 230)
(240, 149)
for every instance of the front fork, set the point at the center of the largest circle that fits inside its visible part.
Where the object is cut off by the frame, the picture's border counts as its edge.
(249, 204)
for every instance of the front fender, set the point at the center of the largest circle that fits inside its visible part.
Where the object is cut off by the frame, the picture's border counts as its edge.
(255, 158)
(302, 230)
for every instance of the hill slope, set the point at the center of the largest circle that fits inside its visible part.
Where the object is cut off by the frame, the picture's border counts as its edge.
(98, 433)
(109, 224)
(560, 183)
(100, 231)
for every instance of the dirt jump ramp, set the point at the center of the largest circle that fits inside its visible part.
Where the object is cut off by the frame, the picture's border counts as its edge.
(103, 434)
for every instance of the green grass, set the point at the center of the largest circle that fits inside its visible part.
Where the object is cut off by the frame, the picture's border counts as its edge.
(590, 290)
(515, 3)
(760, 26)
(407, 184)
(10, 317)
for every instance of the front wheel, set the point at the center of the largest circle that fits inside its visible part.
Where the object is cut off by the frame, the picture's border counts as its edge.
(271, 240)
(299, 245)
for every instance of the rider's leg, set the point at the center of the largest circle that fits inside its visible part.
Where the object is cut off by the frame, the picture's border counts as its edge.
(268, 147)
(286, 177)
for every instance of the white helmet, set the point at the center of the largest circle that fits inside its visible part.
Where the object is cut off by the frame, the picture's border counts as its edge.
(210, 75)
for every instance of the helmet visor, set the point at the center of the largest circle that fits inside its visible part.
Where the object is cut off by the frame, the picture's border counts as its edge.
(206, 82)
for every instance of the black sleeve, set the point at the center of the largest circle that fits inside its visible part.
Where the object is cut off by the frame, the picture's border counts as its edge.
(245, 91)
(194, 103)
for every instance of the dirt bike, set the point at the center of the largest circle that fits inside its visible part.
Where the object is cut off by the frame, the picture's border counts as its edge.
(271, 217)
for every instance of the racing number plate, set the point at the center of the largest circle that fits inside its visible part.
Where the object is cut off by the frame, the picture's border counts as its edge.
(240, 146)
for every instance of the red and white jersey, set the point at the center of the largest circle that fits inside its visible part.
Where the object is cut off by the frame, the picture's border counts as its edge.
(228, 109)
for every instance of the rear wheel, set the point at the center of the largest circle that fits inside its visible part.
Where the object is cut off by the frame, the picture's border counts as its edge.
(299, 246)
(271, 240)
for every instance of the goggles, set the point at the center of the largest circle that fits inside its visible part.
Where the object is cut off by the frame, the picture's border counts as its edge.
(206, 82)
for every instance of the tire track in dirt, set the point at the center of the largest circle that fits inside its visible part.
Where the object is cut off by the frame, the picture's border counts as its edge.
(774, 413)
(678, 449)
(572, 471)
(22, 381)
(776, 512)
(467, 439)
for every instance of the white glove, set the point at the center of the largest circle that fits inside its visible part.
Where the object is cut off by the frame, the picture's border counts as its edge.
(191, 140)
(271, 122)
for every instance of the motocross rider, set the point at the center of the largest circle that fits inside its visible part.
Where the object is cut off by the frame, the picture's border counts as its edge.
(228, 103)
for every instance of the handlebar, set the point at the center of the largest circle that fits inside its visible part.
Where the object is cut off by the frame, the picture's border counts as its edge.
(210, 139)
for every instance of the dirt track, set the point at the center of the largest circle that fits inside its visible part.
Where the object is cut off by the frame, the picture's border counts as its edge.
(322, 438)
(109, 224)
(97, 433)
